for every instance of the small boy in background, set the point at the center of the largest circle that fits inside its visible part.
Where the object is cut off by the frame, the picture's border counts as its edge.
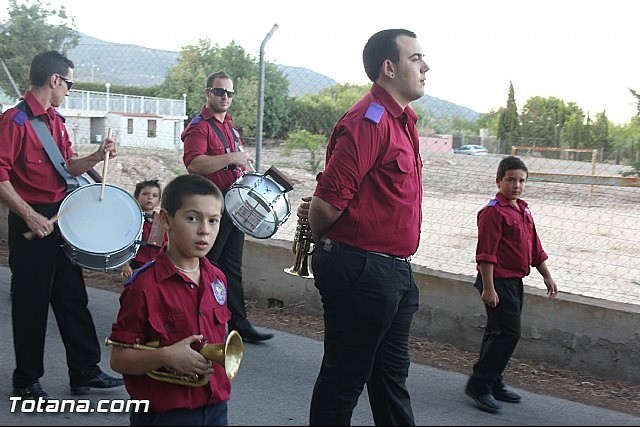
(148, 194)
(508, 246)
(179, 299)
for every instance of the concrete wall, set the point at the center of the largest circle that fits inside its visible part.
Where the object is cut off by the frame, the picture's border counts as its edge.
(585, 334)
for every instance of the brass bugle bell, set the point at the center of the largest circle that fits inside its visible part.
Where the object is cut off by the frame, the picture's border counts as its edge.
(301, 251)
(228, 354)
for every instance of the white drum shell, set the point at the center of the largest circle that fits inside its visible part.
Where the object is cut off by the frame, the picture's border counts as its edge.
(257, 205)
(100, 234)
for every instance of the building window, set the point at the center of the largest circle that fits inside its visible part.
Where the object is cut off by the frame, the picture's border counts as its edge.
(151, 129)
(130, 126)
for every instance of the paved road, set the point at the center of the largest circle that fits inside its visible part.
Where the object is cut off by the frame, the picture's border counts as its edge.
(274, 385)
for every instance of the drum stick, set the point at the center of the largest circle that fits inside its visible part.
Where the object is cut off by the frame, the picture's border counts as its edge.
(30, 234)
(104, 168)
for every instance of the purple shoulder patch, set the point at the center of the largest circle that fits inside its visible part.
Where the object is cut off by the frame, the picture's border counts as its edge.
(20, 117)
(492, 202)
(196, 120)
(374, 112)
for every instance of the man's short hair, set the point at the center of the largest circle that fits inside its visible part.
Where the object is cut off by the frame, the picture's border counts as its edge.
(47, 63)
(381, 46)
(217, 75)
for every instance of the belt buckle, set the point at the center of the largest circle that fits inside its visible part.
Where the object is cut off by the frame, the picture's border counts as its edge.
(327, 244)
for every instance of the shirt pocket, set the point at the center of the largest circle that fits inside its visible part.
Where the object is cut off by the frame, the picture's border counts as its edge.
(168, 326)
(38, 164)
(221, 315)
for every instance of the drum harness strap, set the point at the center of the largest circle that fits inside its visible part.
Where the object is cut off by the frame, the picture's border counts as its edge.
(50, 146)
(237, 146)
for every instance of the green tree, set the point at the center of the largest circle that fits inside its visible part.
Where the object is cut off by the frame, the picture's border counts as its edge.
(543, 121)
(600, 132)
(315, 144)
(197, 61)
(33, 27)
(318, 113)
(508, 123)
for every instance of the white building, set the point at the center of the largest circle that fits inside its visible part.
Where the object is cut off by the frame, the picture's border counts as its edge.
(135, 121)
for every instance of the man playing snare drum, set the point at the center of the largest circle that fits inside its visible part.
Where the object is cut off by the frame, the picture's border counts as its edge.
(41, 274)
(213, 149)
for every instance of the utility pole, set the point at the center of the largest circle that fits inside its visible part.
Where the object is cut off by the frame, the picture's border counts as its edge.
(261, 98)
(10, 77)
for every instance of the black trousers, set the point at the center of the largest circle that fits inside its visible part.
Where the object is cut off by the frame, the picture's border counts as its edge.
(227, 254)
(42, 275)
(501, 334)
(368, 301)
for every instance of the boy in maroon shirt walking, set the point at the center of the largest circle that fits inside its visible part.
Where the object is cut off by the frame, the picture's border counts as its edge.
(508, 246)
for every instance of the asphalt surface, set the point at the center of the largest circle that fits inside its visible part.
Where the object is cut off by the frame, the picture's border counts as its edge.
(273, 386)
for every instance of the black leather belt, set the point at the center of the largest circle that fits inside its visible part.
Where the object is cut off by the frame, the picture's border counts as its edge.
(328, 243)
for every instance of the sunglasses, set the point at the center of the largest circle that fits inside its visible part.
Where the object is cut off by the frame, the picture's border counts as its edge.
(220, 91)
(67, 81)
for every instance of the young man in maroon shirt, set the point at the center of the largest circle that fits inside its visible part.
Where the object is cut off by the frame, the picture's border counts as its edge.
(508, 246)
(41, 274)
(213, 148)
(365, 216)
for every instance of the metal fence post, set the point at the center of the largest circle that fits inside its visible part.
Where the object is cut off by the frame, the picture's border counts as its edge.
(261, 98)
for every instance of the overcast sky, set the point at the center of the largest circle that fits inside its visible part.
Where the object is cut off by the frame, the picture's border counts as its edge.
(581, 51)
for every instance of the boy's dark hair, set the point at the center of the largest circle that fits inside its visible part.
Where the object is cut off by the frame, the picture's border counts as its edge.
(510, 163)
(185, 186)
(148, 183)
(218, 75)
(47, 63)
(380, 46)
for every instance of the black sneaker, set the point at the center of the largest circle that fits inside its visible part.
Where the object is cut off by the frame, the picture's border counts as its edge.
(34, 391)
(101, 381)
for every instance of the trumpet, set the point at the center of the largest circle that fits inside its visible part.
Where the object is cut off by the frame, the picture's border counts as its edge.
(228, 354)
(301, 249)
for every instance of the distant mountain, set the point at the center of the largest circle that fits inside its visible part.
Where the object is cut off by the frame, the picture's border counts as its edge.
(132, 65)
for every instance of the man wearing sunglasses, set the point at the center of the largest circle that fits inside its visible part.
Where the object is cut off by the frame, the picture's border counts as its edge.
(41, 274)
(213, 149)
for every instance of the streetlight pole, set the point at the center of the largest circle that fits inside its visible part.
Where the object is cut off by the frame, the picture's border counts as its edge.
(261, 97)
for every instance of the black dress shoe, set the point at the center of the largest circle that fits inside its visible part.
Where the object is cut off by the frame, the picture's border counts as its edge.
(501, 393)
(251, 335)
(101, 381)
(34, 391)
(486, 402)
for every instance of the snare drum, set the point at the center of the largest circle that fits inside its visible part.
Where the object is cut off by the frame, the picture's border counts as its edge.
(258, 204)
(100, 234)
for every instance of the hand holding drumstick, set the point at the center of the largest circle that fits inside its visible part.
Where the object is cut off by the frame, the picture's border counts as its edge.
(104, 167)
(45, 231)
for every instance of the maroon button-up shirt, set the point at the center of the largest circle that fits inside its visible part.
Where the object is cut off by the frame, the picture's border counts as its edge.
(23, 160)
(160, 303)
(200, 138)
(373, 174)
(508, 239)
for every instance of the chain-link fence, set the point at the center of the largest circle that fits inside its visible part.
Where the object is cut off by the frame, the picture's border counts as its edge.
(589, 227)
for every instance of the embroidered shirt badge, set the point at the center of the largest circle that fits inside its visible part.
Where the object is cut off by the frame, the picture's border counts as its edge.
(219, 291)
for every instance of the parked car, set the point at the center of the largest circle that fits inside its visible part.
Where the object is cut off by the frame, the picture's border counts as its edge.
(471, 150)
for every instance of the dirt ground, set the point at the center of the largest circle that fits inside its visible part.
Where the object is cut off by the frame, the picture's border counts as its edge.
(521, 373)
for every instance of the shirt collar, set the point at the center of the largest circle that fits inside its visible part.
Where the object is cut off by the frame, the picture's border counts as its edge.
(208, 114)
(390, 104)
(504, 202)
(37, 109)
(166, 269)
